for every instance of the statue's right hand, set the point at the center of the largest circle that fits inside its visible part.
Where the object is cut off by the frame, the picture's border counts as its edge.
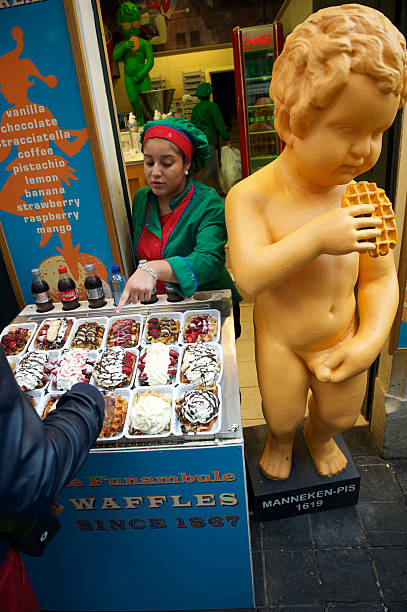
(346, 230)
(129, 44)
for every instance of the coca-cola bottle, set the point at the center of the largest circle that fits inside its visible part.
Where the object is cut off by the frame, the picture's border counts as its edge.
(40, 291)
(67, 290)
(94, 288)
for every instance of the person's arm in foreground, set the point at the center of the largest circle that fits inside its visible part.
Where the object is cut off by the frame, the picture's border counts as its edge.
(38, 457)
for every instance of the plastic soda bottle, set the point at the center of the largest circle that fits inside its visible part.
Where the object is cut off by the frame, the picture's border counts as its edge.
(117, 283)
(40, 291)
(94, 288)
(67, 290)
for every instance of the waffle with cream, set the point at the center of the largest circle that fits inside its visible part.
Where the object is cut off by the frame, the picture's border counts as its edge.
(74, 366)
(150, 413)
(34, 371)
(200, 365)
(114, 368)
(198, 409)
(157, 365)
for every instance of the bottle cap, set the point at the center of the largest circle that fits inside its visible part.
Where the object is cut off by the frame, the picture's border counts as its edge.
(61, 269)
(35, 271)
(89, 267)
(115, 269)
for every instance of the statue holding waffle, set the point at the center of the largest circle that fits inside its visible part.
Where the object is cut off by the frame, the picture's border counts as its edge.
(311, 234)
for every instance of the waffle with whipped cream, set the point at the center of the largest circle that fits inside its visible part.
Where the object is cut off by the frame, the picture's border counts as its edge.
(198, 409)
(74, 366)
(53, 334)
(114, 368)
(200, 365)
(115, 415)
(150, 413)
(157, 365)
(34, 371)
(89, 336)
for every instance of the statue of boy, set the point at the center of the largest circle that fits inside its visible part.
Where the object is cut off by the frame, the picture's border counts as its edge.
(137, 55)
(336, 87)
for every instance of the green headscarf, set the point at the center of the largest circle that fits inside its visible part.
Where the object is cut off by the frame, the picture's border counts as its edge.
(198, 140)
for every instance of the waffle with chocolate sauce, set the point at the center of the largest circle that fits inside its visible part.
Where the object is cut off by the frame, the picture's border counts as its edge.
(88, 336)
(15, 340)
(162, 330)
(53, 334)
(198, 409)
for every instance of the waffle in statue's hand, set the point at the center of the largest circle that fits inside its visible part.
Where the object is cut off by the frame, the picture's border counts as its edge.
(369, 193)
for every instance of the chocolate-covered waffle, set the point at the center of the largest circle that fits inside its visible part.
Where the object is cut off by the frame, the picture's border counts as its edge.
(89, 336)
(15, 340)
(198, 409)
(114, 368)
(200, 365)
(164, 330)
(124, 332)
(115, 415)
(53, 334)
(369, 193)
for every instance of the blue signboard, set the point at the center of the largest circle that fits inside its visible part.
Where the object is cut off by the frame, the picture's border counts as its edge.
(150, 530)
(50, 206)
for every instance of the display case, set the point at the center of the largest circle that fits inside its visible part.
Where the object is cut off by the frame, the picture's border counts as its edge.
(156, 507)
(254, 52)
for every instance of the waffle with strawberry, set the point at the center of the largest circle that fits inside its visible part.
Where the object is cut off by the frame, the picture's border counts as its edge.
(34, 371)
(124, 332)
(114, 368)
(200, 328)
(15, 340)
(74, 365)
(164, 330)
(157, 365)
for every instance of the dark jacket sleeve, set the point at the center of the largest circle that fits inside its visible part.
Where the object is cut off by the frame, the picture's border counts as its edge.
(38, 457)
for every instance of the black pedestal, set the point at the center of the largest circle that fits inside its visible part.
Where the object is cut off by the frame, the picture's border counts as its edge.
(304, 491)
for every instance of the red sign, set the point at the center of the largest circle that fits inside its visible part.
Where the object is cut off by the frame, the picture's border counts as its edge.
(264, 40)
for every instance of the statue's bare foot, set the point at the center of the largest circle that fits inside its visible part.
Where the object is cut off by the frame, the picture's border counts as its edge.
(275, 462)
(327, 456)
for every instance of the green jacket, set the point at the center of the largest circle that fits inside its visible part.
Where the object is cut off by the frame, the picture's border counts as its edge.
(195, 248)
(208, 118)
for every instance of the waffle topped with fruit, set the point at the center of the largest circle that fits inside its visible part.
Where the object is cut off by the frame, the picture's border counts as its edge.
(157, 365)
(115, 415)
(164, 330)
(200, 328)
(34, 371)
(53, 334)
(124, 333)
(89, 336)
(15, 340)
(114, 368)
(74, 365)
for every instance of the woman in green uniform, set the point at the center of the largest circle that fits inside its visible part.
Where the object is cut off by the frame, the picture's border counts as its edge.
(179, 223)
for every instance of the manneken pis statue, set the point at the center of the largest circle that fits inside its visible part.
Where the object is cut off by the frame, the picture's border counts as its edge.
(336, 87)
(137, 55)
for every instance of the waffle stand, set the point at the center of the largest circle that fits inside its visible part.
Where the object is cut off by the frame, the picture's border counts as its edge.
(159, 522)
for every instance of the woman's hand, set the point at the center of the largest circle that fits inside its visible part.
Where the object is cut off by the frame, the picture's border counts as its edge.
(138, 288)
